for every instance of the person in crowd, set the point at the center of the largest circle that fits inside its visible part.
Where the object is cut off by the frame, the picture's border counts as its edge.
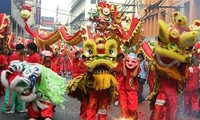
(190, 94)
(46, 61)
(33, 56)
(142, 77)
(3, 64)
(119, 72)
(11, 98)
(56, 60)
(65, 63)
(76, 65)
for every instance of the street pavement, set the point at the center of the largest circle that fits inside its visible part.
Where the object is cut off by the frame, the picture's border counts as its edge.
(71, 111)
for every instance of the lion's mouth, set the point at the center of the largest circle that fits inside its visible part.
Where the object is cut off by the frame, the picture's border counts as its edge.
(166, 62)
(101, 69)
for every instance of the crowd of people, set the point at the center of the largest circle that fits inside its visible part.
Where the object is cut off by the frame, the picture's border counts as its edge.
(73, 66)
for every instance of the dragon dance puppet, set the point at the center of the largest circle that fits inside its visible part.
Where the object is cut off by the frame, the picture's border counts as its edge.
(37, 85)
(171, 53)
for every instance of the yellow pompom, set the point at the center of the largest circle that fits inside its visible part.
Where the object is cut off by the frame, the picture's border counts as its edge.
(25, 14)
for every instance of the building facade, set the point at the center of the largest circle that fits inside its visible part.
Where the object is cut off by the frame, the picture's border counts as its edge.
(152, 10)
(13, 8)
(81, 10)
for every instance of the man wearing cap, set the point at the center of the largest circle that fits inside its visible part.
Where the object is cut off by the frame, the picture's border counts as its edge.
(11, 99)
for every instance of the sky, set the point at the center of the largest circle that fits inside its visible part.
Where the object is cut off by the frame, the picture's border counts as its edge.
(49, 8)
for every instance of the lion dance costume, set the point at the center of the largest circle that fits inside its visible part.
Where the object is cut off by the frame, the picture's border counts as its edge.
(37, 85)
(98, 85)
(172, 52)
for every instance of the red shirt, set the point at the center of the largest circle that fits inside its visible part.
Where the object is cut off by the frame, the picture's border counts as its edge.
(3, 62)
(118, 70)
(82, 66)
(34, 58)
(52, 66)
(130, 82)
(76, 70)
(14, 56)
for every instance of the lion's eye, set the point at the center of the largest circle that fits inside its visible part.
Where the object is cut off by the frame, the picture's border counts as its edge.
(90, 51)
(111, 51)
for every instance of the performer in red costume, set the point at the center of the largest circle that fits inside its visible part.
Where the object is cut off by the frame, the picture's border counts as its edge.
(76, 62)
(151, 77)
(3, 64)
(190, 95)
(11, 98)
(128, 96)
(172, 52)
(32, 52)
(47, 61)
(166, 103)
(65, 63)
(119, 73)
(78, 69)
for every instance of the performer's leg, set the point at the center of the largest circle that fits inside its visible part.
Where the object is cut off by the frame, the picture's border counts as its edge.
(140, 91)
(123, 103)
(195, 103)
(18, 105)
(159, 111)
(103, 104)
(187, 100)
(47, 112)
(32, 113)
(132, 104)
(83, 109)
(92, 105)
(172, 107)
(9, 100)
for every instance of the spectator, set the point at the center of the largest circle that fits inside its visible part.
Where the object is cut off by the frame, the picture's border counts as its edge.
(142, 77)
